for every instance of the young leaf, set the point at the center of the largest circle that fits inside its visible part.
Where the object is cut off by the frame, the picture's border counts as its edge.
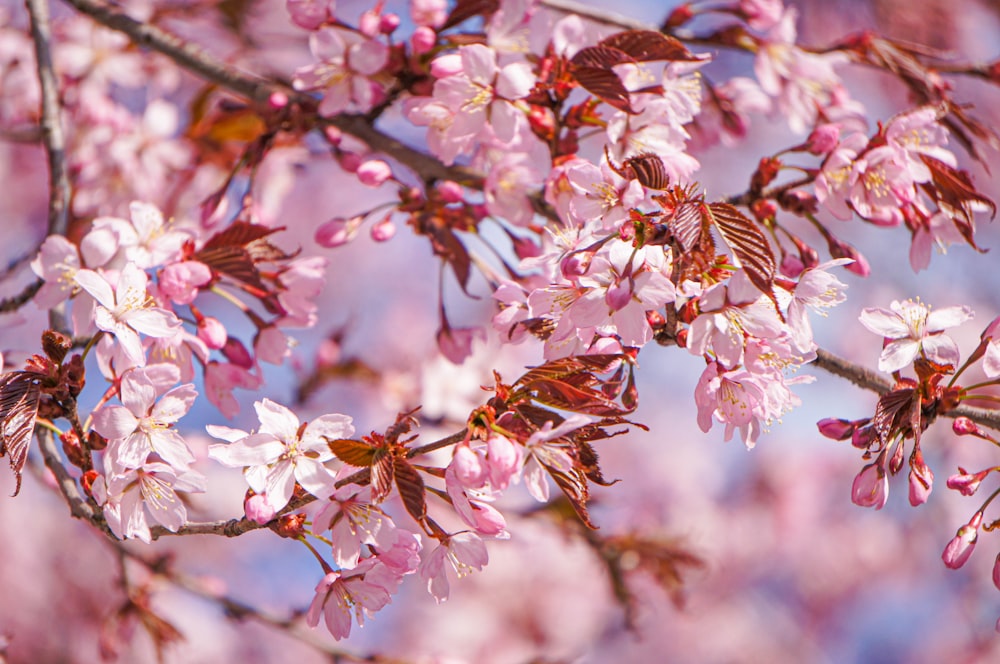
(650, 45)
(19, 396)
(748, 243)
(352, 452)
(411, 489)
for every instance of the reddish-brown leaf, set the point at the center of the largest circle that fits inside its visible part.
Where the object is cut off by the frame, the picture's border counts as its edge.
(574, 485)
(589, 463)
(956, 195)
(352, 452)
(648, 169)
(239, 234)
(688, 226)
(411, 489)
(382, 471)
(600, 57)
(650, 45)
(20, 392)
(894, 410)
(748, 243)
(604, 84)
(466, 9)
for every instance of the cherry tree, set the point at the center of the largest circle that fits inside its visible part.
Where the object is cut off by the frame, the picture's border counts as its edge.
(431, 318)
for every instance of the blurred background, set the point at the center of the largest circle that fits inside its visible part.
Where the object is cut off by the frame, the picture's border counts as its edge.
(791, 570)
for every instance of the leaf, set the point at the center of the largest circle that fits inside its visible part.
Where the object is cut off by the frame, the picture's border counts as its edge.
(382, 471)
(589, 463)
(235, 251)
(411, 489)
(954, 192)
(20, 392)
(239, 234)
(893, 411)
(604, 84)
(648, 169)
(748, 243)
(574, 486)
(600, 57)
(650, 45)
(466, 9)
(352, 452)
(688, 226)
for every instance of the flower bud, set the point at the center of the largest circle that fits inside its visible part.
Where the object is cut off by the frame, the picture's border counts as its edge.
(277, 100)
(963, 426)
(384, 230)
(871, 486)
(423, 40)
(236, 352)
(212, 332)
(837, 429)
(619, 295)
(921, 479)
(257, 508)
(373, 173)
(965, 483)
(958, 550)
(996, 572)
(576, 264)
(336, 232)
(823, 139)
(388, 23)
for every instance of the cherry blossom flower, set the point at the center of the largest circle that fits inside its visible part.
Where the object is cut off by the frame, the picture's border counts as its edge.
(354, 521)
(282, 452)
(221, 378)
(310, 14)
(127, 310)
(136, 498)
(142, 424)
(56, 264)
(736, 398)
(818, 290)
(461, 553)
(913, 329)
(346, 62)
(341, 595)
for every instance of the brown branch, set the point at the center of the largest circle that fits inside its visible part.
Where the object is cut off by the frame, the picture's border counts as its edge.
(15, 302)
(594, 14)
(203, 64)
(871, 380)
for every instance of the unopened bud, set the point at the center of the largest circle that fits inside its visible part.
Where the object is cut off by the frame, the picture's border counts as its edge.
(257, 508)
(388, 23)
(837, 429)
(423, 40)
(291, 526)
(236, 352)
(823, 139)
(958, 550)
(277, 100)
(384, 230)
(212, 332)
(373, 173)
(576, 264)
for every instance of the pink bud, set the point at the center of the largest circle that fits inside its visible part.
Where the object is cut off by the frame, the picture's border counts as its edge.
(836, 429)
(863, 437)
(336, 232)
(470, 471)
(450, 191)
(840, 249)
(871, 486)
(278, 100)
(237, 353)
(384, 230)
(996, 572)
(791, 266)
(965, 483)
(388, 23)
(212, 332)
(823, 139)
(488, 520)
(446, 65)
(333, 134)
(423, 40)
(618, 296)
(963, 426)
(374, 172)
(257, 508)
(369, 22)
(576, 264)
(963, 544)
(526, 248)
(921, 479)
(349, 161)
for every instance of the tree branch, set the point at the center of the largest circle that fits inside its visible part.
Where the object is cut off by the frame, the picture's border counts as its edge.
(870, 380)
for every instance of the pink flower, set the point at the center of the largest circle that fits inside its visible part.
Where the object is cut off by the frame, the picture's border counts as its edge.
(142, 425)
(146, 239)
(353, 521)
(126, 311)
(56, 264)
(913, 329)
(282, 452)
(373, 173)
(221, 378)
(346, 62)
(341, 594)
(310, 14)
(181, 281)
(139, 497)
(967, 484)
(461, 553)
(428, 13)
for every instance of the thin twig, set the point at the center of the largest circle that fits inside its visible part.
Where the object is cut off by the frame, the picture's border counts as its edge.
(15, 302)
